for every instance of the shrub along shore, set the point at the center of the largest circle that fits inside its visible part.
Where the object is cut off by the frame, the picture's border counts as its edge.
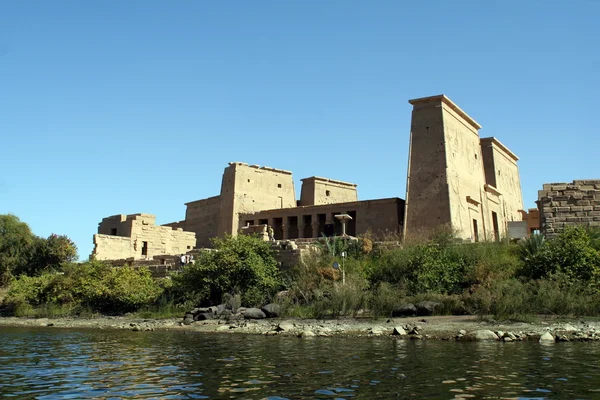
(501, 280)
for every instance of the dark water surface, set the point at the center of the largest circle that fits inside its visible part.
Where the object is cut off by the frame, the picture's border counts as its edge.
(84, 364)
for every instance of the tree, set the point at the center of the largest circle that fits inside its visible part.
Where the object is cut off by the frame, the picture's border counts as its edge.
(16, 241)
(237, 265)
(21, 252)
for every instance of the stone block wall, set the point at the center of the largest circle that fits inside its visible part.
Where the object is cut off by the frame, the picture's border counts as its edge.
(136, 236)
(569, 204)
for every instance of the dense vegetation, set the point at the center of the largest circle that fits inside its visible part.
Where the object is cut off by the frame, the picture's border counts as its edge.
(509, 280)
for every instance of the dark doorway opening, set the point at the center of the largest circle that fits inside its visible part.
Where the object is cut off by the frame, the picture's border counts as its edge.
(475, 231)
(292, 227)
(278, 228)
(307, 226)
(495, 224)
(144, 248)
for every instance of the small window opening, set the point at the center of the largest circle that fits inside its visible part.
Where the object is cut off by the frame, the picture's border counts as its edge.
(498, 172)
(248, 180)
(113, 231)
(279, 185)
(475, 231)
(476, 156)
(144, 248)
(189, 247)
(327, 193)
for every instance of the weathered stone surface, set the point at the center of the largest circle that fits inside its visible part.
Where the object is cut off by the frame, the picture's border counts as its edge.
(405, 310)
(547, 338)
(254, 313)
(427, 307)
(305, 334)
(399, 331)
(484, 334)
(204, 316)
(285, 326)
(271, 310)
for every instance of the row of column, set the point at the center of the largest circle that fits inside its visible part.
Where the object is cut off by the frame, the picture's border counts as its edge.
(301, 225)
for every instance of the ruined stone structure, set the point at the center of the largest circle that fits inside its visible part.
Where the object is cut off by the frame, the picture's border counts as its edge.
(253, 195)
(455, 177)
(569, 204)
(136, 237)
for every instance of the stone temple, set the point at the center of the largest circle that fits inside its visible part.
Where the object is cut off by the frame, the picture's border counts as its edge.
(455, 178)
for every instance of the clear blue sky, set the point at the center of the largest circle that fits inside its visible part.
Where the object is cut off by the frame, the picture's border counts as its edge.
(111, 107)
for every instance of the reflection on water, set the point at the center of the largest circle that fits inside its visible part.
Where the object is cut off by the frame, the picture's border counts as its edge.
(63, 364)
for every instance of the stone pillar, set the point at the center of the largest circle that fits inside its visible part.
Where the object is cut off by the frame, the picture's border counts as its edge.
(315, 227)
(300, 227)
(285, 230)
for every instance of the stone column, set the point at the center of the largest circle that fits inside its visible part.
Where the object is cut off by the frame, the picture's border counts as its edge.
(300, 227)
(315, 227)
(285, 229)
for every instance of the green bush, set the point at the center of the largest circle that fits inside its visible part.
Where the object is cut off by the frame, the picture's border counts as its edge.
(92, 285)
(570, 253)
(243, 264)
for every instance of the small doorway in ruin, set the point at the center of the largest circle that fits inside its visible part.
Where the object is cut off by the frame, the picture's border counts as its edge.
(278, 228)
(293, 232)
(144, 248)
(351, 225)
(495, 225)
(307, 226)
(475, 231)
(322, 219)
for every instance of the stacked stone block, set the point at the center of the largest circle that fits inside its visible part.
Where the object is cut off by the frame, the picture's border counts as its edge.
(569, 204)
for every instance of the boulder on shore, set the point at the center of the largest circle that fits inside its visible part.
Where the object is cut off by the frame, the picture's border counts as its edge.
(484, 334)
(254, 313)
(271, 310)
(427, 307)
(405, 310)
(547, 338)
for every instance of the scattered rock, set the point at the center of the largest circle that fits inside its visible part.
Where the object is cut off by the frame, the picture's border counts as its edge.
(568, 328)
(484, 334)
(254, 313)
(224, 328)
(271, 310)
(405, 310)
(285, 326)
(188, 321)
(462, 332)
(547, 338)
(399, 331)
(204, 316)
(304, 334)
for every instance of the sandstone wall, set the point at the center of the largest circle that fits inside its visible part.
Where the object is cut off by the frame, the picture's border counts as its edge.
(427, 197)
(502, 172)
(465, 171)
(247, 188)
(456, 178)
(202, 218)
(317, 191)
(144, 241)
(569, 204)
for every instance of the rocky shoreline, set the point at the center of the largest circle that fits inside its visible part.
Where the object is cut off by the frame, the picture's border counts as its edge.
(461, 328)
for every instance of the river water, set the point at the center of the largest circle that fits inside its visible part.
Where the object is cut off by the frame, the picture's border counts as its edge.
(84, 364)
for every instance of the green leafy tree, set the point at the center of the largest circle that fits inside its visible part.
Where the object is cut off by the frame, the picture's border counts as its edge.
(21, 252)
(16, 241)
(237, 265)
